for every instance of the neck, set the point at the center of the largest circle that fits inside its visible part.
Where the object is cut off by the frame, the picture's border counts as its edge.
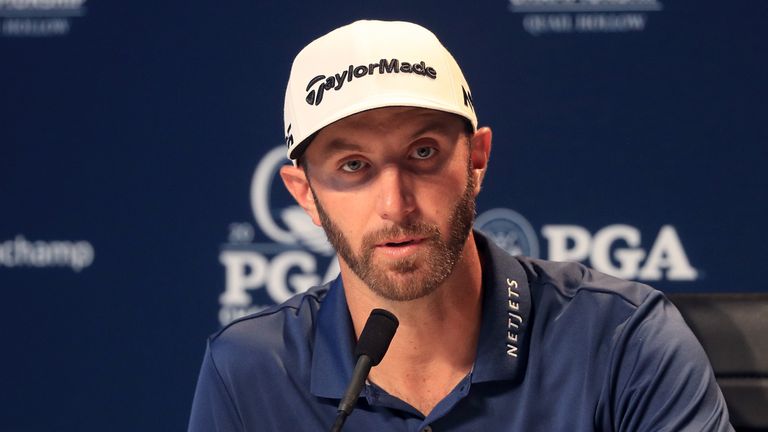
(436, 341)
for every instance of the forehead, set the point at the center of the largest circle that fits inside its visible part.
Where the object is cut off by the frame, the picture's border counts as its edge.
(390, 122)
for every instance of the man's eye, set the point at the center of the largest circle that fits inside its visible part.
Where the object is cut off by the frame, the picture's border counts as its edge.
(423, 152)
(353, 165)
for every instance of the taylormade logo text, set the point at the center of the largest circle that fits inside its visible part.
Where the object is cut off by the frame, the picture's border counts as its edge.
(336, 81)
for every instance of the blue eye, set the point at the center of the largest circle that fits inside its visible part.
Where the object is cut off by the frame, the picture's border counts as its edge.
(353, 165)
(423, 152)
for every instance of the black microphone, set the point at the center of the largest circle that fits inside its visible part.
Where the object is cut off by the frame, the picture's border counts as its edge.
(371, 347)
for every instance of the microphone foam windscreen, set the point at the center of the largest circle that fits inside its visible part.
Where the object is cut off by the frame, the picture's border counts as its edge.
(376, 336)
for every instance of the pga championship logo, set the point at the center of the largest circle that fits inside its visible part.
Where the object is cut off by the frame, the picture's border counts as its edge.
(261, 274)
(299, 256)
(616, 249)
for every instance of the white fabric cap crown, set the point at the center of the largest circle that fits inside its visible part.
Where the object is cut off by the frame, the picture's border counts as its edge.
(366, 65)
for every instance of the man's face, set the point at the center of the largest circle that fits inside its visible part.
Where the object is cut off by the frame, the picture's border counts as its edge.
(395, 195)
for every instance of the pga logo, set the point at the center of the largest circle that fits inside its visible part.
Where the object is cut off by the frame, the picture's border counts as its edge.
(615, 249)
(601, 251)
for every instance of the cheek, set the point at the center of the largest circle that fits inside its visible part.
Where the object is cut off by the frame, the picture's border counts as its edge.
(440, 196)
(348, 213)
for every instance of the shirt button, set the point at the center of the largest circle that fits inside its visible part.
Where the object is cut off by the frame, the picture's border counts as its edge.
(427, 429)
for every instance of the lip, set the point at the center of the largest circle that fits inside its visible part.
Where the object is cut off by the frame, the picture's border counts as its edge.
(390, 242)
(400, 251)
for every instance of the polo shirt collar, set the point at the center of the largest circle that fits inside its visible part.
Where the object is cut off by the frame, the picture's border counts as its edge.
(504, 329)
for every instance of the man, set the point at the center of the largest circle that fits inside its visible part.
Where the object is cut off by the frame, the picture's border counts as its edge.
(388, 159)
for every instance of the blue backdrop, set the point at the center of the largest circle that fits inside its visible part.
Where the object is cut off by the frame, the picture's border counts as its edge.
(139, 209)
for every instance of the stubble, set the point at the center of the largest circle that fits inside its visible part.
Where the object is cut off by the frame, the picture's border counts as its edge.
(415, 276)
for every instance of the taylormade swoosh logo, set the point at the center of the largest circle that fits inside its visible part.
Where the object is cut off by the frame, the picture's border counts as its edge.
(318, 85)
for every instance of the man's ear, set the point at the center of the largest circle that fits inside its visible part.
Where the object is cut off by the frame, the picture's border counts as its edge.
(295, 180)
(480, 153)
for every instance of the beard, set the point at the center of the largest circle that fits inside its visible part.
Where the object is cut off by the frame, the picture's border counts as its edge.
(418, 275)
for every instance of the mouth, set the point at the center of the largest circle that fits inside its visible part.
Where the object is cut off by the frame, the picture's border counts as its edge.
(397, 248)
(400, 242)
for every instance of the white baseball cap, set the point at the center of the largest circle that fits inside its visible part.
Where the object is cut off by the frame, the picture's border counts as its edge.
(366, 65)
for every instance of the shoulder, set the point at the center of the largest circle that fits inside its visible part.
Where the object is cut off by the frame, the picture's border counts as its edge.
(600, 310)
(570, 297)
(283, 331)
(255, 364)
(573, 285)
(570, 279)
(647, 370)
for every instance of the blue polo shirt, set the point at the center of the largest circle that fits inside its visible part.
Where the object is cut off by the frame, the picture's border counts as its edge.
(561, 347)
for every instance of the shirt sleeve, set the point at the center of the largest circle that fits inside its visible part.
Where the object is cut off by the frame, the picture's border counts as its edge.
(213, 409)
(661, 377)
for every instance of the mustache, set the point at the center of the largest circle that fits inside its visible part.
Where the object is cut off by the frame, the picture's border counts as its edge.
(417, 229)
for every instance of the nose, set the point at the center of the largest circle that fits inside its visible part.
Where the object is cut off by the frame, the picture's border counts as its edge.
(396, 201)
